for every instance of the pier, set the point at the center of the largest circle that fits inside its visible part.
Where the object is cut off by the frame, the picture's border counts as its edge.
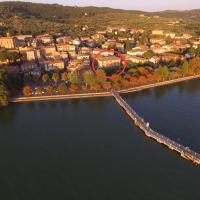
(185, 152)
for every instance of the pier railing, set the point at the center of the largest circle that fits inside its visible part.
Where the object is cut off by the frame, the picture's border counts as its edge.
(185, 152)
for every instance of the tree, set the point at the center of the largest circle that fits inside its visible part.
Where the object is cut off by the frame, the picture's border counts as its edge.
(184, 68)
(11, 56)
(3, 94)
(148, 54)
(100, 76)
(55, 77)
(45, 78)
(73, 78)
(169, 40)
(39, 90)
(49, 89)
(107, 86)
(127, 45)
(96, 87)
(62, 88)
(163, 72)
(194, 64)
(27, 91)
(89, 78)
(64, 76)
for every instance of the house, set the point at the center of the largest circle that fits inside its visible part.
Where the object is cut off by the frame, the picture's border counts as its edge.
(76, 42)
(9, 42)
(135, 59)
(51, 65)
(27, 67)
(45, 39)
(91, 43)
(170, 34)
(65, 47)
(97, 37)
(159, 49)
(63, 40)
(75, 64)
(136, 52)
(85, 38)
(107, 62)
(136, 30)
(171, 57)
(30, 54)
(97, 51)
(157, 32)
(47, 50)
(158, 41)
(154, 59)
(85, 50)
(12, 68)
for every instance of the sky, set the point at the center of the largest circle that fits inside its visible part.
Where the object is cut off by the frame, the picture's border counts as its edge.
(144, 5)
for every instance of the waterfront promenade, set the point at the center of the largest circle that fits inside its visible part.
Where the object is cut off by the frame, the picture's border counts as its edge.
(185, 152)
(98, 94)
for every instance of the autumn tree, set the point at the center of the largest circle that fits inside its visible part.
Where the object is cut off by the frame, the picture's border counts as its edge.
(39, 90)
(55, 77)
(62, 88)
(45, 78)
(49, 89)
(100, 76)
(64, 76)
(27, 91)
(107, 86)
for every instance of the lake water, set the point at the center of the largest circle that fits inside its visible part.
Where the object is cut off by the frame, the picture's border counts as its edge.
(90, 150)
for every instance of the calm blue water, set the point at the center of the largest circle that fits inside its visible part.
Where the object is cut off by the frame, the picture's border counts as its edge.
(90, 150)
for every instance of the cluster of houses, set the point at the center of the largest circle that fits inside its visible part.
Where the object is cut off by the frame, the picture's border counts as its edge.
(45, 53)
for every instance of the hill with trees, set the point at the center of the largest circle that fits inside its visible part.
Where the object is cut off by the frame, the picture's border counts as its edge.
(35, 18)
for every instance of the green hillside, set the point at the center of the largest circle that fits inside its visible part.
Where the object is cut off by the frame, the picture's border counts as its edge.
(33, 18)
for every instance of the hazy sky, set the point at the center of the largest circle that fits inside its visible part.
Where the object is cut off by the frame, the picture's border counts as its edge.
(147, 5)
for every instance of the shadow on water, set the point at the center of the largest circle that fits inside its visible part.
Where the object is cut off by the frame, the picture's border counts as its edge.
(97, 103)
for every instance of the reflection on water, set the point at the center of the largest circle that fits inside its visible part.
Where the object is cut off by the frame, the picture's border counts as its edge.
(89, 149)
(7, 116)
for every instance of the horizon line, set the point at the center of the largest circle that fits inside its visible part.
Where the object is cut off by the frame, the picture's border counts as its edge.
(54, 3)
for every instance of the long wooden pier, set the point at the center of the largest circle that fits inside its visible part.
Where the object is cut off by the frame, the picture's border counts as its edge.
(185, 152)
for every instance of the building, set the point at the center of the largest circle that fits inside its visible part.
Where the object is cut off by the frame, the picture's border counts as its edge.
(65, 47)
(166, 57)
(27, 67)
(154, 59)
(135, 59)
(158, 32)
(45, 39)
(158, 41)
(136, 52)
(97, 51)
(47, 50)
(85, 50)
(52, 65)
(170, 34)
(159, 49)
(75, 65)
(9, 42)
(107, 62)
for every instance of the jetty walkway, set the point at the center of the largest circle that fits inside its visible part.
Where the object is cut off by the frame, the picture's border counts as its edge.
(185, 152)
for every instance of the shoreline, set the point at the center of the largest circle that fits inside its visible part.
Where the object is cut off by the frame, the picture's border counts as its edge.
(100, 94)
